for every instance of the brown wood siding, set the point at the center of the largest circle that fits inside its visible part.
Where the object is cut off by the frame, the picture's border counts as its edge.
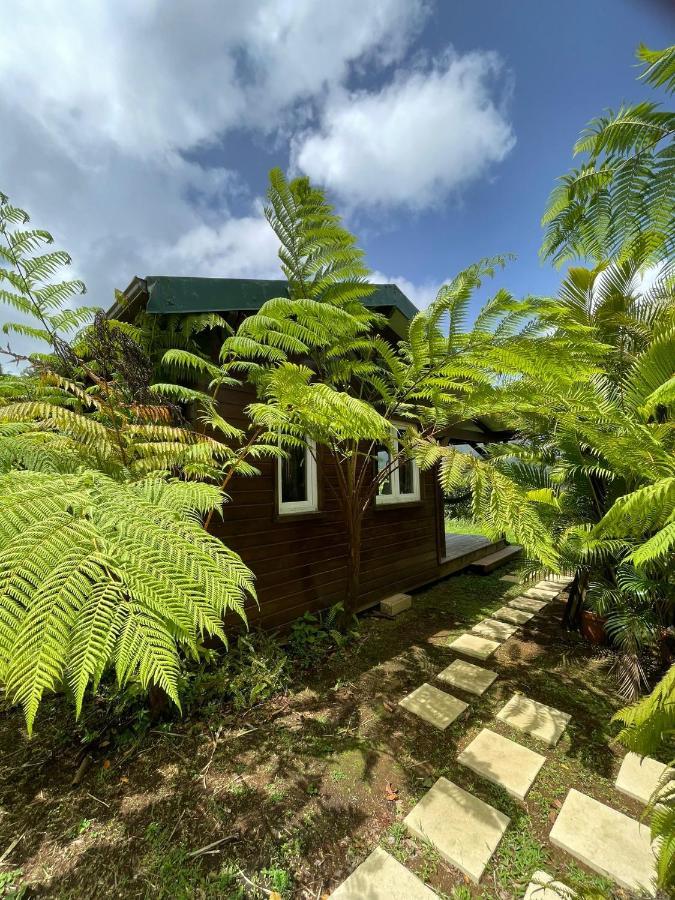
(300, 561)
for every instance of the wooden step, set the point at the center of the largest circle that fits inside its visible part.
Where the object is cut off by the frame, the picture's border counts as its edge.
(494, 560)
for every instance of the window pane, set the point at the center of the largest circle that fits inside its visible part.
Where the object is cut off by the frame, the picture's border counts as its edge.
(406, 477)
(381, 462)
(294, 476)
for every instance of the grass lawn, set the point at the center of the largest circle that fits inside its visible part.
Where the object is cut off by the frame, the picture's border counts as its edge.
(463, 526)
(295, 791)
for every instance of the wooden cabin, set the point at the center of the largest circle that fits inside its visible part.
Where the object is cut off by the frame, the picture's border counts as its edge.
(286, 523)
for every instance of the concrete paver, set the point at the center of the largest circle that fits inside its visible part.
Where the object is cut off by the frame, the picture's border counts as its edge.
(640, 776)
(494, 629)
(381, 877)
(527, 604)
(464, 830)
(472, 645)
(607, 841)
(433, 705)
(467, 677)
(514, 616)
(503, 762)
(536, 719)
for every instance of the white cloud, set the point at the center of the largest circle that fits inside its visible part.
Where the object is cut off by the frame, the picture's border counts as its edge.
(244, 247)
(164, 75)
(424, 135)
(104, 105)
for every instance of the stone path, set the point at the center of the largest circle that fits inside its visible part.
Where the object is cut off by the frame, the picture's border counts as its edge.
(640, 776)
(502, 762)
(606, 841)
(381, 877)
(528, 604)
(472, 645)
(494, 629)
(536, 719)
(466, 831)
(467, 677)
(514, 616)
(433, 705)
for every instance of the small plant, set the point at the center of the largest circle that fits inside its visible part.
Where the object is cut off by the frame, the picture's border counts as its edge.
(255, 669)
(278, 879)
(10, 887)
(315, 635)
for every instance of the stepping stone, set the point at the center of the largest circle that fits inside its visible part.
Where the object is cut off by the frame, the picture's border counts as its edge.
(555, 580)
(543, 887)
(467, 677)
(502, 762)
(472, 645)
(527, 604)
(434, 706)
(516, 616)
(540, 593)
(496, 631)
(464, 830)
(640, 776)
(536, 719)
(607, 841)
(512, 578)
(381, 877)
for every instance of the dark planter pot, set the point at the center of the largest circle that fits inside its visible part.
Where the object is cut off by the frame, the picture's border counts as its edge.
(593, 627)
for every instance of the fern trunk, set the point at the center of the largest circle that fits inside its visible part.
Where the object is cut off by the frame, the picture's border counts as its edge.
(353, 562)
(575, 600)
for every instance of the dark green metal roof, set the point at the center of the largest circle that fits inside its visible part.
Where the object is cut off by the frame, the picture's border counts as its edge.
(167, 294)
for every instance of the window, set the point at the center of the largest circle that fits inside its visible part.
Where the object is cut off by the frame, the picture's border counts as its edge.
(297, 481)
(402, 483)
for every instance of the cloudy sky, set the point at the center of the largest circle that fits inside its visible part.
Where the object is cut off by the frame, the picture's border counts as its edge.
(141, 133)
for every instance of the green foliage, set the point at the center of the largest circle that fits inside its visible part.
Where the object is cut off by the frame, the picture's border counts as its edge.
(95, 573)
(622, 199)
(649, 727)
(313, 636)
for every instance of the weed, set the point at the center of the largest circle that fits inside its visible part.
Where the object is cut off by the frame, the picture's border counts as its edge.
(278, 879)
(520, 854)
(313, 636)
(461, 892)
(394, 841)
(10, 887)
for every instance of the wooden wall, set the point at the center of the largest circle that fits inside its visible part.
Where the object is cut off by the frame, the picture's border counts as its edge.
(300, 561)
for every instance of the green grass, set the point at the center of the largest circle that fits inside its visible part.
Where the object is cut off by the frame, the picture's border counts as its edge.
(464, 526)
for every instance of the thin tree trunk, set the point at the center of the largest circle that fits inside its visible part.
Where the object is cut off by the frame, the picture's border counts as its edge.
(572, 615)
(353, 522)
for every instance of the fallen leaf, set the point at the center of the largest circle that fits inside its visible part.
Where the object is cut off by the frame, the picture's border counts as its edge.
(390, 792)
(275, 895)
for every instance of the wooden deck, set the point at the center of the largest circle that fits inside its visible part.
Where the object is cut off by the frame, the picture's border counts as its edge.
(461, 550)
(457, 545)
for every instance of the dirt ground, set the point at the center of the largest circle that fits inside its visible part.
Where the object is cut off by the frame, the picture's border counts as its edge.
(287, 798)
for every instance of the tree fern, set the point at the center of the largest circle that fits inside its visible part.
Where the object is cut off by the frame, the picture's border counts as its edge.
(98, 574)
(623, 199)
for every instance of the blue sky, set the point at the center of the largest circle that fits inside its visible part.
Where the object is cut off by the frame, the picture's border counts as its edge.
(141, 134)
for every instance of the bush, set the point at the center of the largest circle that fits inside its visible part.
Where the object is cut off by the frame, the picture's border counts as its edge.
(313, 636)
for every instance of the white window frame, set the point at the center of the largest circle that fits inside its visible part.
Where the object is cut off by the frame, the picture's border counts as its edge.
(396, 496)
(311, 504)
